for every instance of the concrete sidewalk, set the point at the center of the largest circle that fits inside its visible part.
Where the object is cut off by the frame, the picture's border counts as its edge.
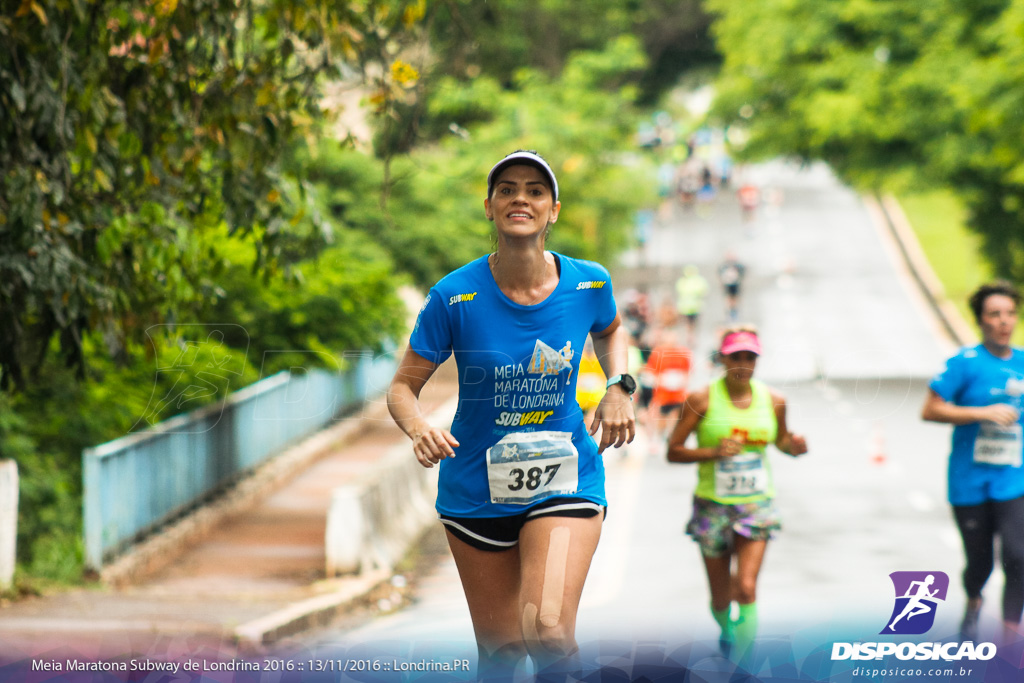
(254, 577)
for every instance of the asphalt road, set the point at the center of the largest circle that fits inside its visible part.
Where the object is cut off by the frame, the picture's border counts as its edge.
(850, 343)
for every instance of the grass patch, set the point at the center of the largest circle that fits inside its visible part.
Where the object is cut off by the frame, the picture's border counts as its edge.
(939, 220)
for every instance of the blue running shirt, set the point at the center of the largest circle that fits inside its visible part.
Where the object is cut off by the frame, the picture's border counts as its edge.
(517, 373)
(974, 377)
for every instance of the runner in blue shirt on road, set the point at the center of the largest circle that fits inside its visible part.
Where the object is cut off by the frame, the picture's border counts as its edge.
(980, 392)
(521, 481)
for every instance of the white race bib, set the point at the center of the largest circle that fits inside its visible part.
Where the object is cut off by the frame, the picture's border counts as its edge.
(997, 445)
(527, 466)
(740, 475)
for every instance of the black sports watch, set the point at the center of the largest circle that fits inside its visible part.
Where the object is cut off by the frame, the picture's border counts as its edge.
(627, 383)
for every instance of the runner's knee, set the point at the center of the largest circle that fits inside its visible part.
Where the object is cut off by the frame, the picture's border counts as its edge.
(547, 633)
(745, 589)
(1012, 549)
(557, 640)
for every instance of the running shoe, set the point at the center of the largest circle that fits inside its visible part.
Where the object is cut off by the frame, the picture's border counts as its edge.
(969, 625)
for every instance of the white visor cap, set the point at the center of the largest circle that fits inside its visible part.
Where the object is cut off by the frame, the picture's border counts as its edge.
(522, 157)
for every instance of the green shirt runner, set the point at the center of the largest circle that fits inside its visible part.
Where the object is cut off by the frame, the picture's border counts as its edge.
(747, 477)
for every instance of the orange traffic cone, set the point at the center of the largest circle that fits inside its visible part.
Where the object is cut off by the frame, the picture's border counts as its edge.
(878, 449)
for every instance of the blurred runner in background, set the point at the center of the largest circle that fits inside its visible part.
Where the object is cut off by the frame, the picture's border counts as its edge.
(749, 197)
(669, 371)
(730, 275)
(734, 515)
(637, 317)
(691, 289)
(590, 384)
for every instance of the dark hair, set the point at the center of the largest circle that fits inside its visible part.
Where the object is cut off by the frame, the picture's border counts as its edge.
(1003, 287)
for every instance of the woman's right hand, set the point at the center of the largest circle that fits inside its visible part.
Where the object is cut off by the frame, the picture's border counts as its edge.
(434, 445)
(729, 447)
(1002, 414)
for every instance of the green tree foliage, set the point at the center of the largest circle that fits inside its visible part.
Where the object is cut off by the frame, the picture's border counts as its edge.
(499, 37)
(147, 192)
(343, 299)
(131, 131)
(423, 224)
(888, 92)
(582, 121)
(426, 209)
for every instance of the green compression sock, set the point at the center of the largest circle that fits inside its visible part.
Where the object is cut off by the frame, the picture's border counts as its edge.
(746, 627)
(723, 620)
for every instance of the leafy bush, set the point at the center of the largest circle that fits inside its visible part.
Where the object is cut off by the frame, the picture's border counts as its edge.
(342, 299)
(45, 429)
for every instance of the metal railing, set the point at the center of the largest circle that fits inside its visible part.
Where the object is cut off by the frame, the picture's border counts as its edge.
(137, 483)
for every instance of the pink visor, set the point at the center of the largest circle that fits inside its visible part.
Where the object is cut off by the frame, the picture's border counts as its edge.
(740, 341)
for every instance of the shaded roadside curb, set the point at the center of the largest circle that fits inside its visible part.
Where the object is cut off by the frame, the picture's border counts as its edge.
(307, 614)
(953, 323)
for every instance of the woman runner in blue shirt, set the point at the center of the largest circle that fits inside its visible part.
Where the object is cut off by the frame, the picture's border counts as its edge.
(521, 481)
(980, 392)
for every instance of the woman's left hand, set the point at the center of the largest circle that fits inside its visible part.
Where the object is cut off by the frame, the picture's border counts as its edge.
(614, 415)
(795, 445)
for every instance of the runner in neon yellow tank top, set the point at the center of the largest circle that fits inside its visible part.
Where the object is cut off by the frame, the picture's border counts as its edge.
(735, 419)
(745, 477)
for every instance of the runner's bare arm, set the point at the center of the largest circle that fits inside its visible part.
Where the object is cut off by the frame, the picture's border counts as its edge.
(430, 444)
(937, 409)
(694, 409)
(614, 414)
(785, 440)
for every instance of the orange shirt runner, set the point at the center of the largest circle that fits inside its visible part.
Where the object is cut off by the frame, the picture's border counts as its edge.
(670, 366)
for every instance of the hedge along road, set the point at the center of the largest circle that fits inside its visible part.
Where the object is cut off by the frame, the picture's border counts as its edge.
(851, 344)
